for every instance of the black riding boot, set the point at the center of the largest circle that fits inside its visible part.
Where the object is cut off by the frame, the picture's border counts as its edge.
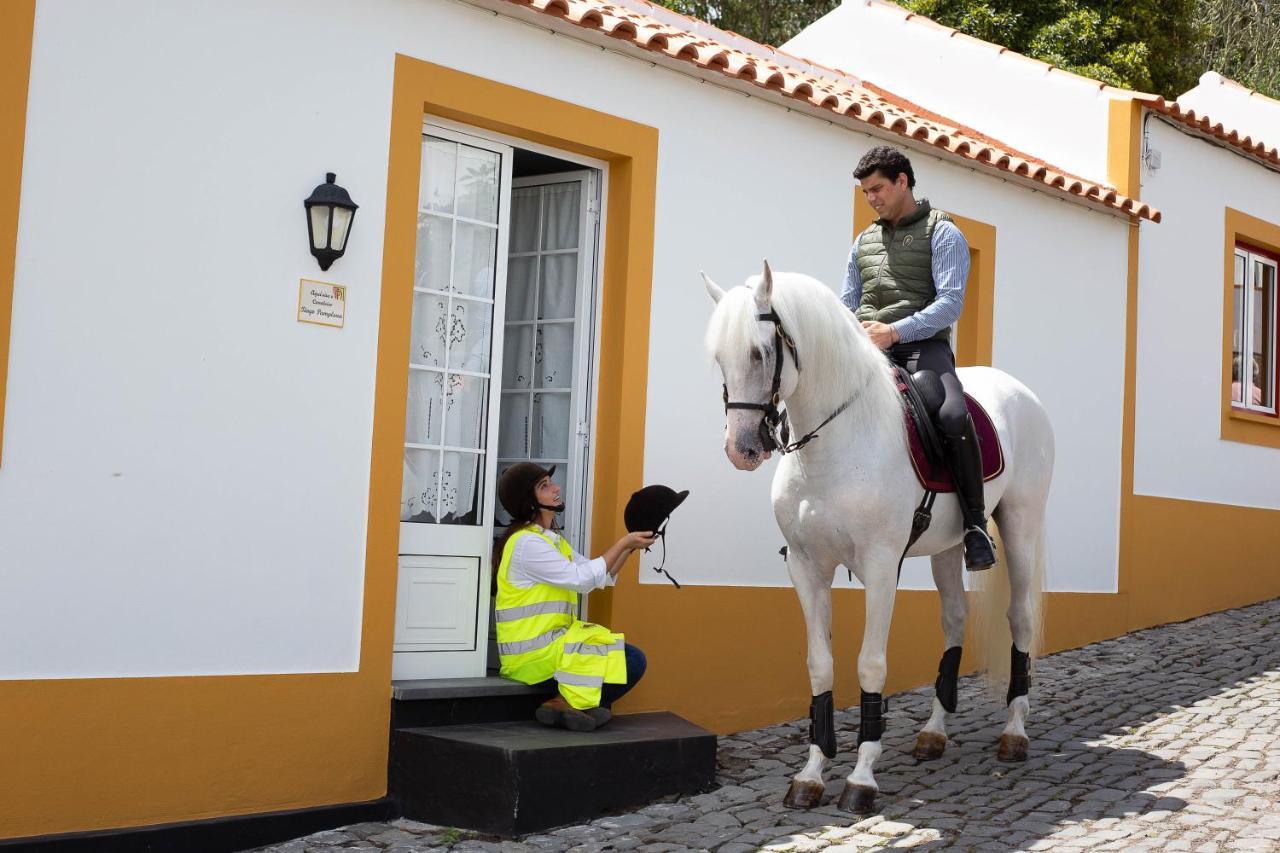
(964, 457)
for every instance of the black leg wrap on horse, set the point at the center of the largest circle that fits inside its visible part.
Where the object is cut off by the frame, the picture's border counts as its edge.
(946, 688)
(871, 724)
(1019, 674)
(822, 724)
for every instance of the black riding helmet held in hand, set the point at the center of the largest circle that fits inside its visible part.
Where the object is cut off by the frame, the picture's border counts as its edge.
(650, 507)
(648, 511)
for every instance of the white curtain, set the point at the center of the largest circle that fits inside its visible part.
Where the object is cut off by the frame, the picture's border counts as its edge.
(452, 332)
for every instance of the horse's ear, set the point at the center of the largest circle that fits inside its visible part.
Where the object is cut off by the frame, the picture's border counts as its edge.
(764, 290)
(713, 290)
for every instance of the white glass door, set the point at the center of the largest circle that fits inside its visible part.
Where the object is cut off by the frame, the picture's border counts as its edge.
(549, 331)
(446, 509)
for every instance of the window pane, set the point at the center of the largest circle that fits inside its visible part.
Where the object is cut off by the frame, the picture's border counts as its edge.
(462, 488)
(554, 368)
(478, 184)
(551, 426)
(470, 333)
(466, 402)
(524, 219)
(439, 166)
(1263, 339)
(431, 262)
(520, 273)
(560, 221)
(418, 488)
(517, 358)
(558, 292)
(425, 407)
(1237, 330)
(430, 329)
(473, 259)
(513, 431)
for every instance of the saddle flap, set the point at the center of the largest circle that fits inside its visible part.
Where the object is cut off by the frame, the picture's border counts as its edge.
(922, 396)
(929, 463)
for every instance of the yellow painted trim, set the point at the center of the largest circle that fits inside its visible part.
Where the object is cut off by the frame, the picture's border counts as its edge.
(631, 150)
(1124, 168)
(1238, 425)
(17, 30)
(1124, 146)
(975, 330)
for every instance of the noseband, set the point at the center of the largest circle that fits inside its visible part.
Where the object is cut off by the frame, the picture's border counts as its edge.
(774, 428)
(773, 423)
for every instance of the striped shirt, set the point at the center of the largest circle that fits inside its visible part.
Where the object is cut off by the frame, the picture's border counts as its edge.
(950, 264)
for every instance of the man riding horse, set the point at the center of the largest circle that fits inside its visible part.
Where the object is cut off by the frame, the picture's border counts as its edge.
(905, 282)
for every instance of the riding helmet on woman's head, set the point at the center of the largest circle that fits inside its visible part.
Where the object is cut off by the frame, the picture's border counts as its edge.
(515, 489)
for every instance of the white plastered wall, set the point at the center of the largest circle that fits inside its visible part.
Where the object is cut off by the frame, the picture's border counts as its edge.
(801, 220)
(185, 480)
(1057, 117)
(1178, 452)
(1235, 108)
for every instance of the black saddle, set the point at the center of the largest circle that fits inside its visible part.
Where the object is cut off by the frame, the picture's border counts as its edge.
(922, 397)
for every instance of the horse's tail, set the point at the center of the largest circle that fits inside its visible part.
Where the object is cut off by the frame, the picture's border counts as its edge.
(991, 634)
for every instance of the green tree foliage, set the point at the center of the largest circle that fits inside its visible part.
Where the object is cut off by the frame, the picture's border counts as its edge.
(766, 21)
(1140, 44)
(1159, 46)
(1240, 39)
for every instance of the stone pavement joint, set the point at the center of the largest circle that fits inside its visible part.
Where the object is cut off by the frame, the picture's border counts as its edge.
(1165, 739)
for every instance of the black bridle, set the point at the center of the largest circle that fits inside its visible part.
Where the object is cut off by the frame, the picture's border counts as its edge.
(774, 428)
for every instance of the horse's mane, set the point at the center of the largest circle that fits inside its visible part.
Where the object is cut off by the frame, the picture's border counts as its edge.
(837, 358)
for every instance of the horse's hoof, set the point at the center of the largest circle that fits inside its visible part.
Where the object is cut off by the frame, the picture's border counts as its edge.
(929, 746)
(803, 794)
(858, 799)
(1012, 748)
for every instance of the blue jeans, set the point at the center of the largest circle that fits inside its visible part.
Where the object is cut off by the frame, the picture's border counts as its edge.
(610, 693)
(636, 665)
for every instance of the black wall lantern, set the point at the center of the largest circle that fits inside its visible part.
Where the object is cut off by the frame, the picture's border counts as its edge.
(329, 214)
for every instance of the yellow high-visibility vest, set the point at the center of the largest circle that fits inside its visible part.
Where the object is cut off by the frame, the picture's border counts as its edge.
(539, 638)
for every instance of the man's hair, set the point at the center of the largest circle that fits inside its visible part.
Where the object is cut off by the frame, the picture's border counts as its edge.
(889, 162)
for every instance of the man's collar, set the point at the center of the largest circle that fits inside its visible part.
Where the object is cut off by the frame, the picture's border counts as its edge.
(922, 210)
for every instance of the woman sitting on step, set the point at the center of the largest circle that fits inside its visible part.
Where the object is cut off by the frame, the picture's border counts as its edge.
(539, 577)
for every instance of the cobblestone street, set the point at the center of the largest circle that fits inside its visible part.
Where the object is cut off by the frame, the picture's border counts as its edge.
(1165, 739)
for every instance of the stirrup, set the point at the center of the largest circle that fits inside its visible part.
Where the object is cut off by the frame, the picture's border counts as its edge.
(976, 565)
(985, 534)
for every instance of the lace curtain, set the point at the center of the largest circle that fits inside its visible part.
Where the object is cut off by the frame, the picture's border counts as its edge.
(536, 420)
(452, 335)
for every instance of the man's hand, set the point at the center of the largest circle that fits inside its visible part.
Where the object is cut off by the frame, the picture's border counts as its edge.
(882, 334)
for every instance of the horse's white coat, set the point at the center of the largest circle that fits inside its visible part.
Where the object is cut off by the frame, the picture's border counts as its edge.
(848, 497)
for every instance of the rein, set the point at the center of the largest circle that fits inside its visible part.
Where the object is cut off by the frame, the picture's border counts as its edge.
(774, 427)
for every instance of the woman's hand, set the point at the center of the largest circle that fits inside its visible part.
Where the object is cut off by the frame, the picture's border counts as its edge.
(616, 556)
(638, 541)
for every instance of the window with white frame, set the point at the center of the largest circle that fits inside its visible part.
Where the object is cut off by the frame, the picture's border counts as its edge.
(1253, 335)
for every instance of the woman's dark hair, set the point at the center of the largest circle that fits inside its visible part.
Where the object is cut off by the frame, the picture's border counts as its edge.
(888, 161)
(513, 528)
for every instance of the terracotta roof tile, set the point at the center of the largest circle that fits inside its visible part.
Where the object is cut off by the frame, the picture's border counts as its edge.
(838, 92)
(1155, 102)
(1255, 148)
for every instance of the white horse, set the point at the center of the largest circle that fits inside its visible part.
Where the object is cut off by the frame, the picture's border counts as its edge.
(848, 497)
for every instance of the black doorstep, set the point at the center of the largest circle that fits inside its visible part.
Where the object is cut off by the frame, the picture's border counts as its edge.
(219, 835)
(512, 778)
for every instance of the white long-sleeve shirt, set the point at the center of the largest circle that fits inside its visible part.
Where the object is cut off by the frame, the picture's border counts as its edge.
(536, 561)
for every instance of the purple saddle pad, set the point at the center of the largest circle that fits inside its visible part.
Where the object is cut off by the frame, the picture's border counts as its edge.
(937, 478)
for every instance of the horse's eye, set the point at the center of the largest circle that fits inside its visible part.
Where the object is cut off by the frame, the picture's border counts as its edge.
(756, 355)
